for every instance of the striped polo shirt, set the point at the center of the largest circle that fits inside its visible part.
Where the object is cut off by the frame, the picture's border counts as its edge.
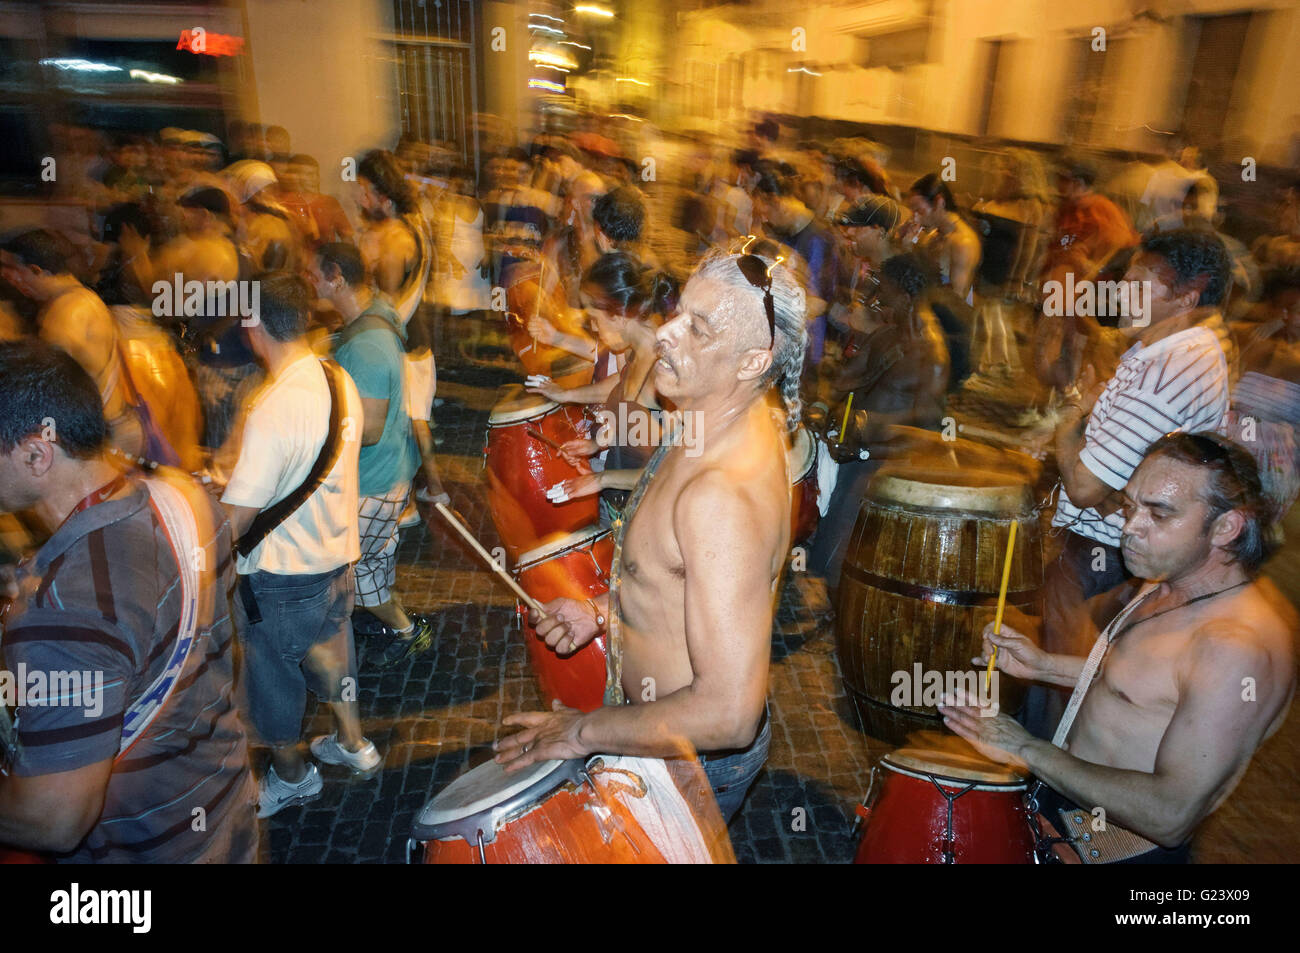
(102, 600)
(1177, 383)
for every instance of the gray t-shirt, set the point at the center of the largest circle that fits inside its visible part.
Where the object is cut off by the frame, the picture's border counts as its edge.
(101, 604)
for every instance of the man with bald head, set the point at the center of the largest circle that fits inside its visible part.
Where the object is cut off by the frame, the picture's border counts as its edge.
(700, 546)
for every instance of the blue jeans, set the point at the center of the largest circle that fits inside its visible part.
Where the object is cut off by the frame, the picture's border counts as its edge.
(731, 774)
(302, 640)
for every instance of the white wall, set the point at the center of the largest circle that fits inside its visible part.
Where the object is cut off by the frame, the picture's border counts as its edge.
(324, 73)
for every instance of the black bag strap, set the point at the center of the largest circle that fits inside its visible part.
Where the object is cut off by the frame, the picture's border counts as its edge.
(268, 519)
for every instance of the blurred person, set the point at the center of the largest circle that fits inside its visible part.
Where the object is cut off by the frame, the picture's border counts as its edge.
(867, 227)
(226, 370)
(370, 347)
(461, 286)
(943, 235)
(1178, 172)
(794, 225)
(1174, 377)
(518, 215)
(302, 195)
(1089, 227)
(1247, 282)
(1265, 413)
(700, 548)
(74, 318)
(396, 243)
(732, 197)
(571, 249)
(1160, 729)
(896, 369)
(292, 502)
(624, 300)
(131, 585)
(263, 232)
(151, 359)
(1282, 250)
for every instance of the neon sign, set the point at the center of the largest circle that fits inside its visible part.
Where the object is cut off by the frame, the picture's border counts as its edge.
(199, 40)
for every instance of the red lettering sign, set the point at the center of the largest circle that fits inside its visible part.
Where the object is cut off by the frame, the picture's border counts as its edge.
(211, 44)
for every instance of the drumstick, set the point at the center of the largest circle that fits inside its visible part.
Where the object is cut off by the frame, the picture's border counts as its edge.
(469, 538)
(538, 435)
(845, 423)
(1002, 601)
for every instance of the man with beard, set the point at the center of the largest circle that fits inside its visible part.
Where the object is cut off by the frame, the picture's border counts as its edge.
(1183, 685)
(699, 548)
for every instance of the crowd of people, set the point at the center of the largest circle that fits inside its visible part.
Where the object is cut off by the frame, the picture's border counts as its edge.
(180, 478)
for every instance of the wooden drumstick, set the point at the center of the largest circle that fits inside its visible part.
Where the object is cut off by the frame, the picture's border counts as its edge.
(487, 557)
(844, 424)
(1002, 602)
(538, 435)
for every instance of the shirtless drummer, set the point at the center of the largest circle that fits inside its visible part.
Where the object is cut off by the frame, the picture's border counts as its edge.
(703, 542)
(1199, 672)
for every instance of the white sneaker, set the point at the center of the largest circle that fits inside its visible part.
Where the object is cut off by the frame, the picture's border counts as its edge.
(274, 794)
(327, 750)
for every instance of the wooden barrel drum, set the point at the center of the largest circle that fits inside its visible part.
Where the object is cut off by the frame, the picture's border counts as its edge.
(919, 583)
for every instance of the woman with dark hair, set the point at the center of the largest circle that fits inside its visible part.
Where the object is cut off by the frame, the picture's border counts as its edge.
(623, 300)
(943, 235)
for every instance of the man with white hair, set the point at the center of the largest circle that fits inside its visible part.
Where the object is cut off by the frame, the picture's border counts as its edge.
(699, 548)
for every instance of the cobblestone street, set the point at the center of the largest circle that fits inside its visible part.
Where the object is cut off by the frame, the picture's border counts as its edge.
(439, 713)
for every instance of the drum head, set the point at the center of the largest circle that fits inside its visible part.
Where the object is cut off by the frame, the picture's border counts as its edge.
(962, 490)
(803, 453)
(516, 405)
(482, 797)
(558, 544)
(955, 765)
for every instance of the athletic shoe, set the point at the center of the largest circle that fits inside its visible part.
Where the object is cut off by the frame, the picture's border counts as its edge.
(410, 516)
(274, 795)
(403, 647)
(327, 750)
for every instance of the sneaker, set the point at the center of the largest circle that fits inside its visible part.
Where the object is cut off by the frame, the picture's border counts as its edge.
(403, 647)
(410, 516)
(327, 750)
(274, 795)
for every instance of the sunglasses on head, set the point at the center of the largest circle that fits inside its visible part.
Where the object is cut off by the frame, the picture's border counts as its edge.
(759, 274)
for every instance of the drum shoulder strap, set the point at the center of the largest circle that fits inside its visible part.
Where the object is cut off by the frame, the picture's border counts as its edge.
(271, 517)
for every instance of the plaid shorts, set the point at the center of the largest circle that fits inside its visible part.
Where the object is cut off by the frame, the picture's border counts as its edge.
(377, 568)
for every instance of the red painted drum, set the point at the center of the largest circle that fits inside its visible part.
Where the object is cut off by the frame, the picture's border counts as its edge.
(521, 468)
(10, 856)
(803, 475)
(938, 805)
(603, 811)
(575, 565)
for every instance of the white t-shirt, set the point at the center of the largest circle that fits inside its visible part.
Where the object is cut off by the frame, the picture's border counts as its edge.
(283, 434)
(1177, 383)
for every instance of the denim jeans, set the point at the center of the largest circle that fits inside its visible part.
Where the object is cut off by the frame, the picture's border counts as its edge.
(731, 774)
(303, 640)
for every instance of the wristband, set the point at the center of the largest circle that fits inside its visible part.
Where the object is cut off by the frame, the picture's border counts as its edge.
(600, 619)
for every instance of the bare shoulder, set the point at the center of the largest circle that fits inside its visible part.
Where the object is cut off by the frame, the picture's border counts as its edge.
(1252, 633)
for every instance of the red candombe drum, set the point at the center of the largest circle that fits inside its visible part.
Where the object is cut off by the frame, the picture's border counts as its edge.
(803, 475)
(11, 856)
(520, 469)
(577, 566)
(940, 807)
(560, 812)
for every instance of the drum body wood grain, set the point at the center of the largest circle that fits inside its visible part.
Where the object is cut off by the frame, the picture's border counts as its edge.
(803, 476)
(920, 581)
